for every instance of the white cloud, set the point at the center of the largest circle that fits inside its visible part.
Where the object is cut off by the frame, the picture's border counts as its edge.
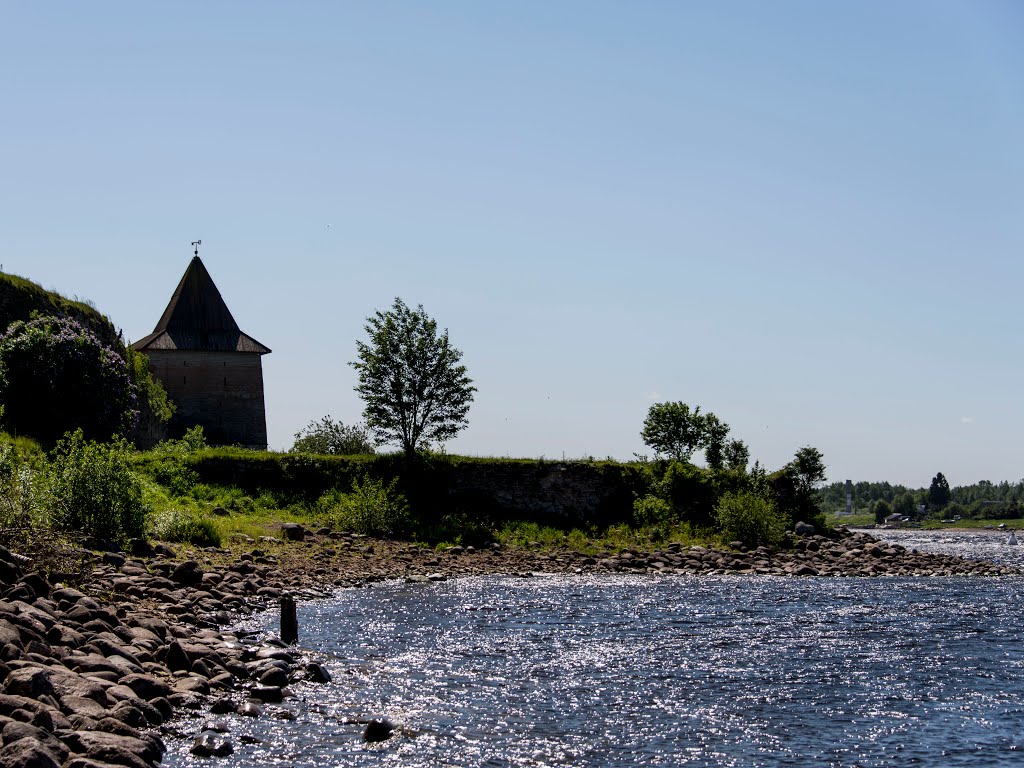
(966, 419)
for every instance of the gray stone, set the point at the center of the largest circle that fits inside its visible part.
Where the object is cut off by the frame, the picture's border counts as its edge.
(146, 686)
(177, 659)
(378, 730)
(211, 745)
(30, 682)
(317, 673)
(27, 753)
(113, 748)
(188, 573)
(293, 531)
(804, 529)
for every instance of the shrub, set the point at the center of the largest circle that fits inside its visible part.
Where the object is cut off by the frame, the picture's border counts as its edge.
(652, 510)
(333, 438)
(750, 518)
(371, 508)
(186, 527)
(92, 489)
(22, 492)
(57, 376)
(691, 491)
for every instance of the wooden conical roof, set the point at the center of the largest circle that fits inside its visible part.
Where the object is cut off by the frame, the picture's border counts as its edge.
(197, 318)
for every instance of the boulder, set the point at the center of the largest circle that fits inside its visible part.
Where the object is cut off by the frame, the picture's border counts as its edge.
(188, 573)
(114, 748)
(27, 753)
(15, 731)
(378, 730)
(211, 745)
(804, 529)
(293, 531)
(317, 673)
(146, 686)
(30, 682)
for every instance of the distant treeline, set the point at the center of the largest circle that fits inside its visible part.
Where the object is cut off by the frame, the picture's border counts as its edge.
(982, 499)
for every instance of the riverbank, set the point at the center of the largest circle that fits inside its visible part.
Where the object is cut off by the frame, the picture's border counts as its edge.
(91, 672)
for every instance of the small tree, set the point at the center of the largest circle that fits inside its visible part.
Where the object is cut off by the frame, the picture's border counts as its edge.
(414, 389)
(334, 438)
(673, 430)
(713, 440)
(882, 510)
(737, 455)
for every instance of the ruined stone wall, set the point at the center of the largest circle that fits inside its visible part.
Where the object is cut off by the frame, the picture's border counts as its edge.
(221, 391)
(548, 493)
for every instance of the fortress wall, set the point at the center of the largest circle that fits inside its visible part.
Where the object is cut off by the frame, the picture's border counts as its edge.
(222, 391)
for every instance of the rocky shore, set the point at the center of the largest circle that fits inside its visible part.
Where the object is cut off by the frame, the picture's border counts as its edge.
(98, 672)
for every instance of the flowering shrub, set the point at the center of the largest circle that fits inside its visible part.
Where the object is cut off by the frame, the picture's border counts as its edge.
(57, 376)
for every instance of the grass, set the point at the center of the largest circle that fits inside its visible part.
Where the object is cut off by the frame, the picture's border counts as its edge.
(854, 521)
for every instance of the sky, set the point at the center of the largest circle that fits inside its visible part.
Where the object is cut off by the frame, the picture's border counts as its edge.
(804, 217)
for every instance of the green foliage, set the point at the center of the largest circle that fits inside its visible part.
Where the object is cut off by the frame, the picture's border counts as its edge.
(372, 508)
(939, 494)
(905, 505)
(185, 527)
(192, 441)
(792, 488)
(715, 432)
(23, 497)
(22, 299)
(57, 376)
(414, 389)
(751, 519)
(155, 408)
(652, 510)
(673, 430)
(737, 455)
(329, 437)
(692, 491)
(93, 490)
(882, 510)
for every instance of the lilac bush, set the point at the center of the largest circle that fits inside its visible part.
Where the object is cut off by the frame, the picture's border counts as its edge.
(57, 376)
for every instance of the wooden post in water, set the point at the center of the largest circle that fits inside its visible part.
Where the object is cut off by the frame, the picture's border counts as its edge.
(289, 620)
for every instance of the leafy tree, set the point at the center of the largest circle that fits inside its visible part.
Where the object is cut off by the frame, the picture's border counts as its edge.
(56, 376)
(334, 438)
(675, 431)
(793, 486)
(810, 468)
(939, 494)
(737, 455)
(905, 505)
(414, 389)
(882, 510)
(713, 440)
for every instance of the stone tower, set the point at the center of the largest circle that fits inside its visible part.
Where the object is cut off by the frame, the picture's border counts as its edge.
(211, 370)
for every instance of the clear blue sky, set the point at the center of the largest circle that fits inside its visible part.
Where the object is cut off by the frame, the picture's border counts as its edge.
(803, 216)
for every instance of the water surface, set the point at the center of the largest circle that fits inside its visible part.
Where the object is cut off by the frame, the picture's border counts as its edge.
(660, 671)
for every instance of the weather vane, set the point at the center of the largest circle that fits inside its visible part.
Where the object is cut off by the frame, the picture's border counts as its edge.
(196, 244)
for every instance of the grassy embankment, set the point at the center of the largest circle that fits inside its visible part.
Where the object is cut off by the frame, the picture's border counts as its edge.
(233, 498)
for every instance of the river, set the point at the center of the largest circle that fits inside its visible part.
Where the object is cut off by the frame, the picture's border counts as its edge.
(662, 671)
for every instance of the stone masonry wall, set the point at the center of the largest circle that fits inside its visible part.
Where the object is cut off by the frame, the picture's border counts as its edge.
(222, 391)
